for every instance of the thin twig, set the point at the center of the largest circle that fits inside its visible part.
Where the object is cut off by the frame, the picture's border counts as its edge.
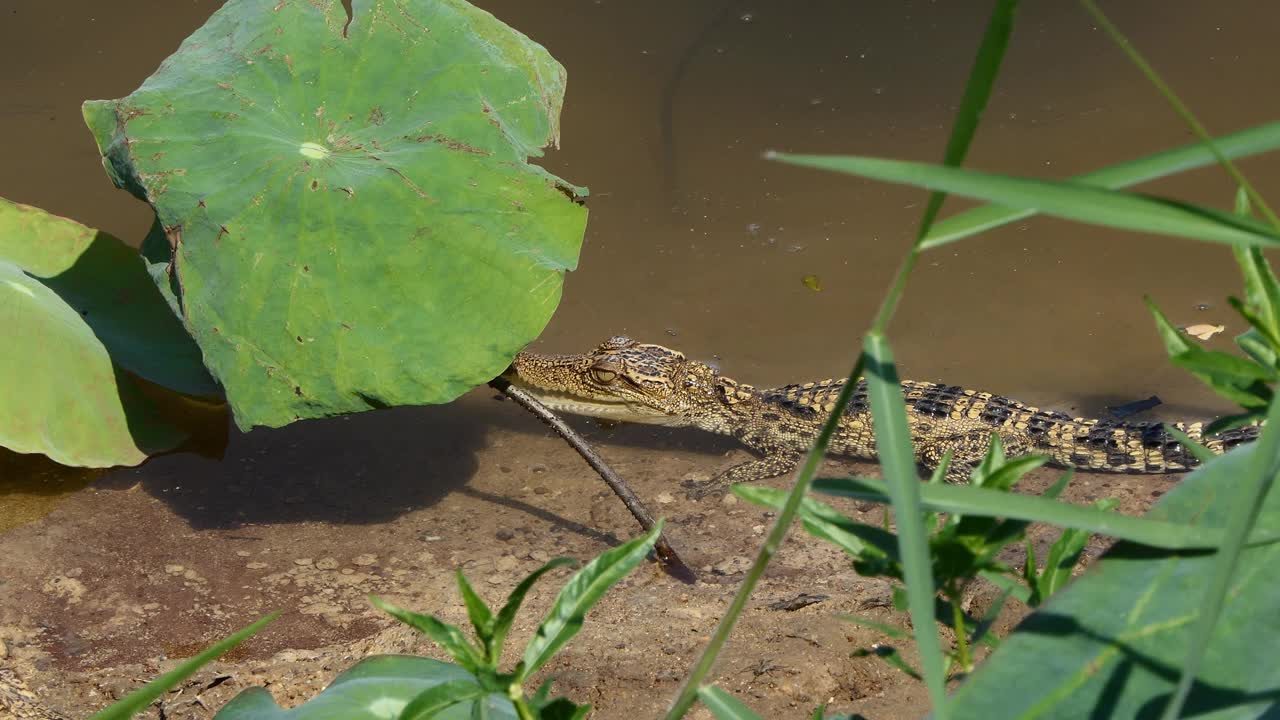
(665, 553)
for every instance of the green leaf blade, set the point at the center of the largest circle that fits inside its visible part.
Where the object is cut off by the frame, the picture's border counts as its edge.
(991, 503)
(1260, 139)
(897, 457)
(1063, 198)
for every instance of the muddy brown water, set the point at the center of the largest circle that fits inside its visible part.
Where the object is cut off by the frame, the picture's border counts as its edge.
(694, 241)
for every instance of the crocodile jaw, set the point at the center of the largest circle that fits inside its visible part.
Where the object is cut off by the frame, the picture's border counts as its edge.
(603, 409)
(615, 410)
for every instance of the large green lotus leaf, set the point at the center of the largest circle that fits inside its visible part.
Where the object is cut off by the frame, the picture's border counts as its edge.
(376, 688)
(1112, 644)
(105, 281)
(354, 219)
(63, 396)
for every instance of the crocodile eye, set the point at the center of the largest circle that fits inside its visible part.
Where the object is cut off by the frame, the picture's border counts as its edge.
(603, 376)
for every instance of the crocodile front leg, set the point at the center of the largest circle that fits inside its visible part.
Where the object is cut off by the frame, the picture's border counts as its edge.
(770, 465)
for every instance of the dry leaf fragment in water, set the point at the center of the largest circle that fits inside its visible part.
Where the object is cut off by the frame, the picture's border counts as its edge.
(1203, 332)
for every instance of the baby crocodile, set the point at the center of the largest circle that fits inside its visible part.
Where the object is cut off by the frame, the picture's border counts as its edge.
(625, 380)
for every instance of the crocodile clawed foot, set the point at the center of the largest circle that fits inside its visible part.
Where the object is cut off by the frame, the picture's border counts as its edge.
(695, 490)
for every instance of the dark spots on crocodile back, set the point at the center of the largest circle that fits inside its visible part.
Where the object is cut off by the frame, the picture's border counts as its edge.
(771, 417)
(1081, 460)
(937, 401)
(1102, 435)
(932, 408)
(997, 412)
(1153, 436)
(797, 407)
(1042, 421)
(858, 401)
(1119, 458)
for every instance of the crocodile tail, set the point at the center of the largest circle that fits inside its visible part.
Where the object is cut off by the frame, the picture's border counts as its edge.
(1128, 447)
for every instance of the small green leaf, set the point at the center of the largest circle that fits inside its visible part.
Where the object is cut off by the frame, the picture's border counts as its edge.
(724, 705)
(1258, 346)
(480, 615)
(139, 699)
(507, 615)
(583, 590)
(1064, 554)
(1262, 292)
(448, 637)
(1175, 342)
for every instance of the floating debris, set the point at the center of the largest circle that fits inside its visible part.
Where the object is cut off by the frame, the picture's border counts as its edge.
(1202, 331)
(813, 282)
(1120, 412)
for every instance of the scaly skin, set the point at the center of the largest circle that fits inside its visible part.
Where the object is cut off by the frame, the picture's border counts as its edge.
(624, 380)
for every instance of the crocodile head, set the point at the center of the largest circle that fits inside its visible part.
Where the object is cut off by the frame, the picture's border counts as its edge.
(622, 380)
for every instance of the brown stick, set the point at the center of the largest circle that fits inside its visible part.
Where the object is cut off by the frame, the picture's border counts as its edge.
(666, 554)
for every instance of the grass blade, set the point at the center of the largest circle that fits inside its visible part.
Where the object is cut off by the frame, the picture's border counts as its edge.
(982, 502)
(1246, 504)
(724, 705)
(1255, 140)
(1061, 198)
(583, 590)
(897, 457)
(787, 511)
(135, 701)
(977, 90)
(1179, 107)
